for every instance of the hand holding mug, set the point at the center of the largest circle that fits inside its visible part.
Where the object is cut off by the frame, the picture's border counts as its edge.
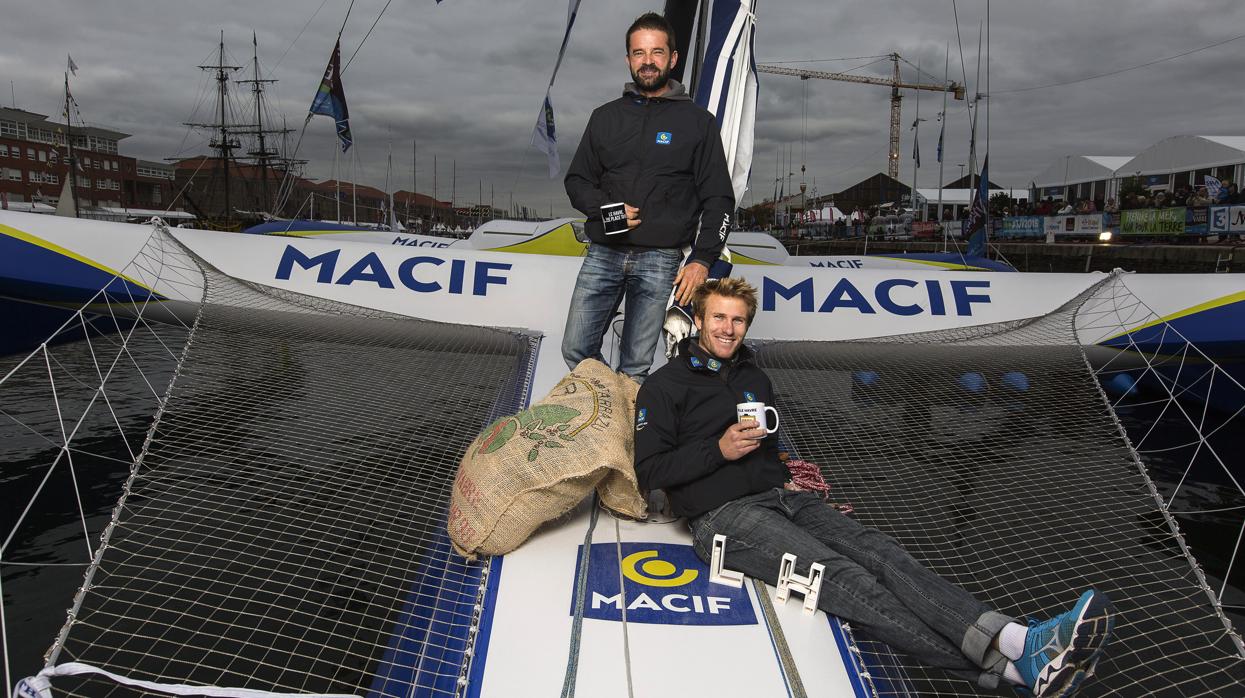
(755, 412)
(740, 439)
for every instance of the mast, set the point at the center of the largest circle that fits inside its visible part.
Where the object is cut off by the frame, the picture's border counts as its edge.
(414, 180)
(916, 142)
(225, 144)
(942, 129)
(73, 162)
(262, 154)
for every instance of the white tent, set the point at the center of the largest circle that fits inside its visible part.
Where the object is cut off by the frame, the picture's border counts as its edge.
(1075, 169)
(1183, 153)
(1177, 161)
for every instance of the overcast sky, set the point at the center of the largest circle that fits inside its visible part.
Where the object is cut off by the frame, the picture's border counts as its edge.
(465, 79)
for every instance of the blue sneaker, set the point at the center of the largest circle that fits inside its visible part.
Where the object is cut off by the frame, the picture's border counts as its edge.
(1062, 652)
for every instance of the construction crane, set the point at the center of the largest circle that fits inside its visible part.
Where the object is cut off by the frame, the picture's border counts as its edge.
(892, 165)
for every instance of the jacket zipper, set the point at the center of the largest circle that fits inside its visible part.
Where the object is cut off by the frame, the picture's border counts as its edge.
(635, 182)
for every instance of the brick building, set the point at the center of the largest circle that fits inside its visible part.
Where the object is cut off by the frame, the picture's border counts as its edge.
(33, 168)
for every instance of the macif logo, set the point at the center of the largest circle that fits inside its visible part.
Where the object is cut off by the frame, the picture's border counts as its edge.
(421, 274)
(663, 138)
(663, 584)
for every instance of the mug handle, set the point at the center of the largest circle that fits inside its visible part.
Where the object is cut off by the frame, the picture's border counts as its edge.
(770, 408)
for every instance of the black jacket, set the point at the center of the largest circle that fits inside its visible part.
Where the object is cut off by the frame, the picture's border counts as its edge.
(664, 156)
(682, 410)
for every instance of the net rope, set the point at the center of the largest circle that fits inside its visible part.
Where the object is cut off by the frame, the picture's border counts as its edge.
(282, 528)
(994, 455)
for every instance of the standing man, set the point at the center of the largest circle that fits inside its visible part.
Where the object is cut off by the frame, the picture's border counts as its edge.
(724, 475)
(660, 155)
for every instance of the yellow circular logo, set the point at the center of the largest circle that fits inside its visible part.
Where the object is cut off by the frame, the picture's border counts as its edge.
(645, 568)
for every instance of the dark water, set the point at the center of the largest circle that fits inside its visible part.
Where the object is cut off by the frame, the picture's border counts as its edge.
(46, 558)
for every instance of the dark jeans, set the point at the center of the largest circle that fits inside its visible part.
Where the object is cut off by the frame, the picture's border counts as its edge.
(646, 278)
(870, 581)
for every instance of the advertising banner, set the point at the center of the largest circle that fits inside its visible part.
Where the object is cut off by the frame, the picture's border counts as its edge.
(924, 230)
(1145, 221)
(1226, 219)
(1195, 221)
(1022, 227)
(1089, 224)
(1055, 225)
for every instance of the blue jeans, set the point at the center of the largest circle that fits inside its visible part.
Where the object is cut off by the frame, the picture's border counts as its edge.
(645, 278)
(870, 581)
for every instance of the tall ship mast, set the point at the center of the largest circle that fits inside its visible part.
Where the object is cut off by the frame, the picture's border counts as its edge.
(269, 162)
(232, 195)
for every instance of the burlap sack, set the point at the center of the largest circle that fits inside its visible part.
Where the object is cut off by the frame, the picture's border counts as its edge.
(535, 466)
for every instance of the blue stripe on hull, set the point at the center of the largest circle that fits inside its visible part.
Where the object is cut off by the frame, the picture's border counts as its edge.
(30, 272)
(1215, 331)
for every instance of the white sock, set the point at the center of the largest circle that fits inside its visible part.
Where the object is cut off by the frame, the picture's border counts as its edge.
(1012, 640)
(1011, 674)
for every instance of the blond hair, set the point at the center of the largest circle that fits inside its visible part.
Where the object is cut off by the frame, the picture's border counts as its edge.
(729, 287)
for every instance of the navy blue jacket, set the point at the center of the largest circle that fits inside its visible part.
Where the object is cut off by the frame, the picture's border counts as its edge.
(682, 410)
(664, 156)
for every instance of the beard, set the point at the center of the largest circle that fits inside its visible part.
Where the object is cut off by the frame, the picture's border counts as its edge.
(655, 81)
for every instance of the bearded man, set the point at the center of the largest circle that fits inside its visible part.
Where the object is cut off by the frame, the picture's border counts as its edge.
(660, 156)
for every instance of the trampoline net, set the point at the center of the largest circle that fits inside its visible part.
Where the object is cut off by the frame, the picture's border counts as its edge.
(283, 529)
(282, 526)
(993, 456)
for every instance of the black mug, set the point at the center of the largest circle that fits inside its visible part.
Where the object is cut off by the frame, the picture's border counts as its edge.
(614, 216)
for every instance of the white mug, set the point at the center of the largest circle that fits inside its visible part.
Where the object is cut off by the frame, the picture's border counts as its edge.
(756, 412)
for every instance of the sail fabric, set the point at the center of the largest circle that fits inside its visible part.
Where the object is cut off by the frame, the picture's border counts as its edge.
(330, 99)
(544, 136)
(976, 229)
(66, 206)
(728, 83)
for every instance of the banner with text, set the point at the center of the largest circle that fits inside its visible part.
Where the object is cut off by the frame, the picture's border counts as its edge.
(1226, 219)
(1022, 227)
(1195, 221)
(1145, 221)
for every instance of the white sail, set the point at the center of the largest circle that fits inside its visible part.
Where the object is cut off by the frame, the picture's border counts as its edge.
(66, 206)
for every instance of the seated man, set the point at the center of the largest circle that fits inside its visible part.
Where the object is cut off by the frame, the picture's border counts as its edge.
(726, 478)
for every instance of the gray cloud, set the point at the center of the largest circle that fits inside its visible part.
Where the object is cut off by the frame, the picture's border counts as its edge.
(466, 78)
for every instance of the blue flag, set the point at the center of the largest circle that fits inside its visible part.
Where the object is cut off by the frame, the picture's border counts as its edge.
(942, 130)
(330, 99)
(544, 136)
(975, 230)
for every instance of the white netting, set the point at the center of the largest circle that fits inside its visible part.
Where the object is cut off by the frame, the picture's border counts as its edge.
(993, 455)
(281, 521)
(282, 528)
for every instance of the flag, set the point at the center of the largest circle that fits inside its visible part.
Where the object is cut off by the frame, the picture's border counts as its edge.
(544, 136)
(728, 88)
(545, 139)
(330, 99)
(916, 145)
(1213, 187)
(942, 131)
(975, 227)
(73, 67)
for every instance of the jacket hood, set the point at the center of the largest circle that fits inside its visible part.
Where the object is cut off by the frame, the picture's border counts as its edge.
(674, 91)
